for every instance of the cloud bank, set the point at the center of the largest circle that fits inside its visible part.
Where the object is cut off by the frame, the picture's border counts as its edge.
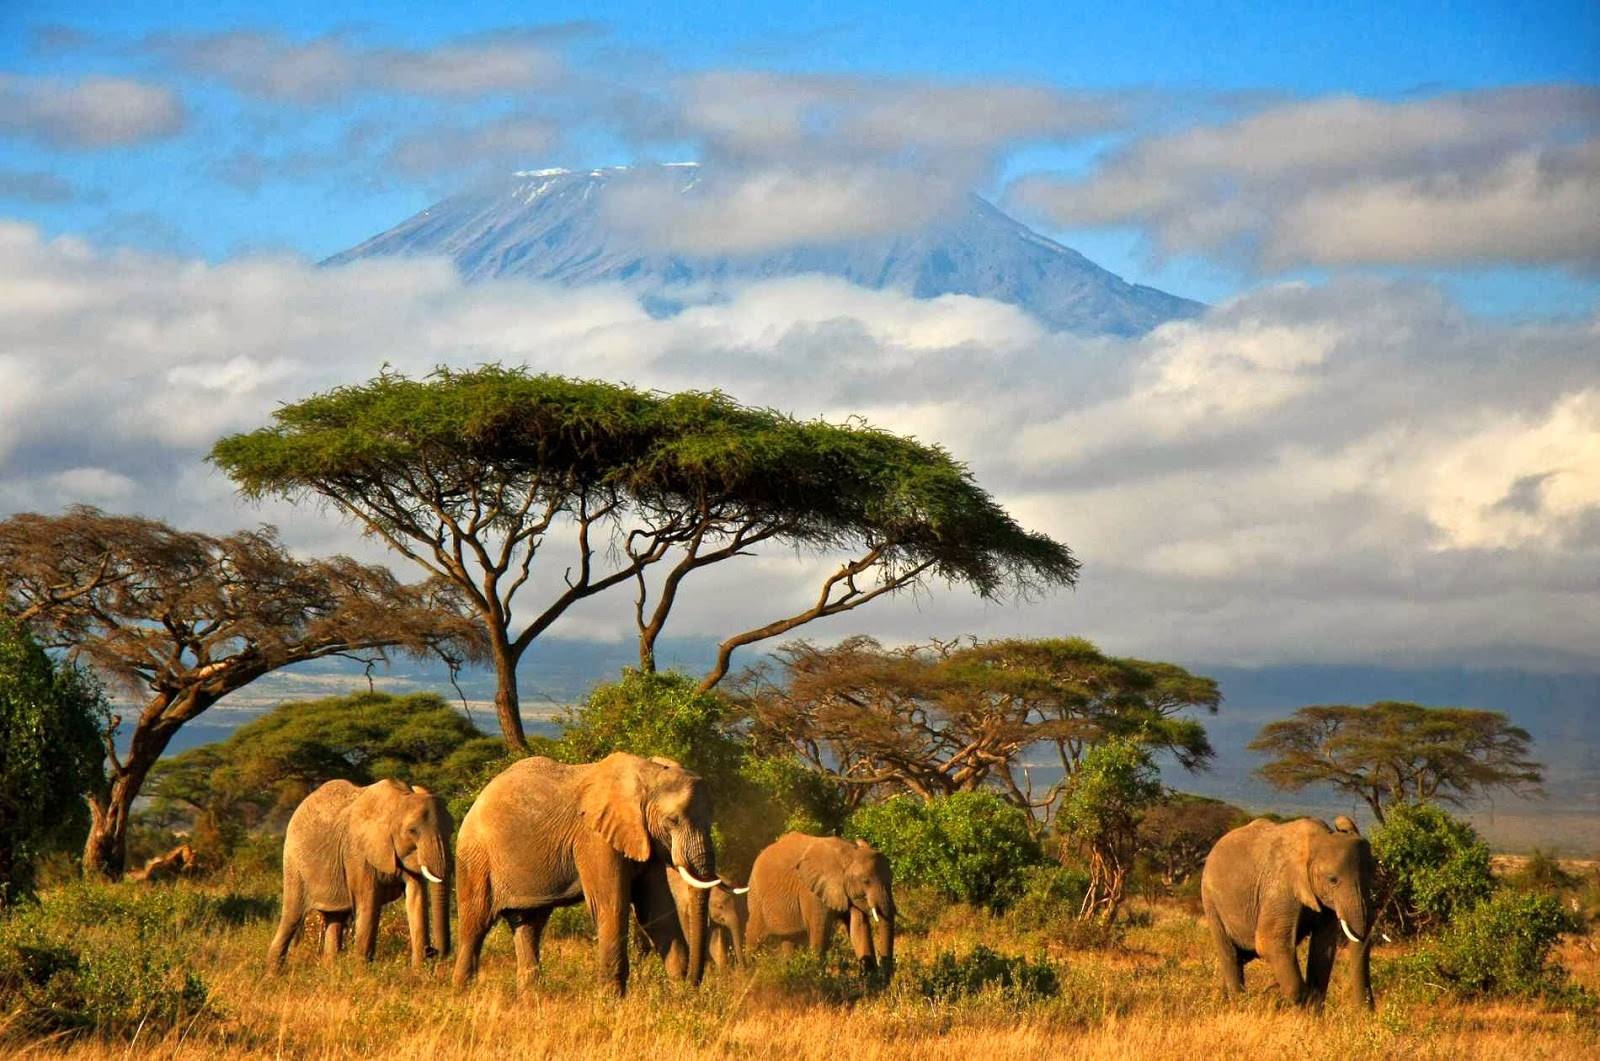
(1347, 471)
(1497, 175)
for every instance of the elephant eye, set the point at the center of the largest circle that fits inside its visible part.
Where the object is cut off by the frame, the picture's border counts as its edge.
(1333, 880)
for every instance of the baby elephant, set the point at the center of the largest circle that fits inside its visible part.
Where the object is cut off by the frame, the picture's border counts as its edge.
(801, 886)
(1266, 887)
(728, 915)
(351, 850)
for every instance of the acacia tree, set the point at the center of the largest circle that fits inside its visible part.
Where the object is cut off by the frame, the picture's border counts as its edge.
(183, 619)
(1398, 752)
(1101, 809)
(477, 475)
(958, 716)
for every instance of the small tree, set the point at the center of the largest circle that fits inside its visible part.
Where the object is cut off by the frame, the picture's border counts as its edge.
(1106, 798)
(957, 717)
(50, 721)
(1431, 866)
(183, 619)
(1394, 752)
(476, 475)
(1177, 833)
(263, 769)
(970, 847)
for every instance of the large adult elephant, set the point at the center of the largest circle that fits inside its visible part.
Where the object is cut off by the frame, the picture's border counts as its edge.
(728, 914)
(350, 850)
(544, 834)
(1267, 886)
(801, 886)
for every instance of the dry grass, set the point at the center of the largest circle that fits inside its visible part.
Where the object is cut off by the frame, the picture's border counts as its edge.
(1153, 997)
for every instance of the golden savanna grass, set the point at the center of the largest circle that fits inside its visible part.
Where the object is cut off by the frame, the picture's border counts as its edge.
(1152, 996)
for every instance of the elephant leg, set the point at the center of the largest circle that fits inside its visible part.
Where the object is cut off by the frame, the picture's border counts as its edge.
(861, 941)
(1279, 953)
(1319, 960)
(657, 913)
(474, 918)
(527, 931)
(332, 937)
(367, 925)
(417, 922)
(290, 921)
(718, 945)
(819, 926)
(608, 902)
(1229, 961)
(786, 947)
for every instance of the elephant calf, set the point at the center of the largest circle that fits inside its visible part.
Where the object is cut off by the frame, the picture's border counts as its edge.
(728, 916)
(352, 850)
(801, 886)
(1267, 886)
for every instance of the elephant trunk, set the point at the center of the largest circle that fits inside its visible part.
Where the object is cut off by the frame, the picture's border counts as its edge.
(433, 860)
(883, 944)
(692, 852)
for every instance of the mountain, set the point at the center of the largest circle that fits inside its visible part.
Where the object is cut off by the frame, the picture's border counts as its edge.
(552, 225)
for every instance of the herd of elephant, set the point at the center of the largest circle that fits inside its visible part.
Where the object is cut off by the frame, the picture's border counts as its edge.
(631, 838)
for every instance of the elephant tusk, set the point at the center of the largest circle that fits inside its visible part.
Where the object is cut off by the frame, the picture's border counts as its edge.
(1353, 937)
(690, 878)
(740, 891)
(874, 912)
(426, 872)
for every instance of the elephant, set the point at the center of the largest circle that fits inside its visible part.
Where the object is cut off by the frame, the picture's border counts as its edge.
(728, 914)
(544, 834)
(353, 849)
(801, 885)
(1267, 886)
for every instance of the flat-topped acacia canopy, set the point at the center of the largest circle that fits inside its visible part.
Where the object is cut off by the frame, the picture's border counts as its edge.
(465, 471)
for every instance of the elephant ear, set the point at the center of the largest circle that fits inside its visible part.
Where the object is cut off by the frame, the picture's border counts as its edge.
(612, 804)
(374, 817)
(1343, 824)
(1301, 852)
(822, 870)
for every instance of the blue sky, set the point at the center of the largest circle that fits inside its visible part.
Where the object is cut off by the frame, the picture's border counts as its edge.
(1380, 445)
(164, 194)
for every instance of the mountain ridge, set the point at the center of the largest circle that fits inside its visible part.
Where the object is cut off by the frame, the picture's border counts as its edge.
(552, 225)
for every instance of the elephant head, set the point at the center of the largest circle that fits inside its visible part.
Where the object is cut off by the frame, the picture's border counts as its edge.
(655, 809)
(854, 879)
(1337, 875)
(399, 828)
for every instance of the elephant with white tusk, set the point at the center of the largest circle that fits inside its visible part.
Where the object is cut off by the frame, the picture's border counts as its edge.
(350, 850)
(544, 834)
(801, 886)
(1267, 886)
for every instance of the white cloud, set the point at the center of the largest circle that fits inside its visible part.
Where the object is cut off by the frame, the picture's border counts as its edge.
(93, 113)
(1348, 471)
(329, 68)
(1504, 174)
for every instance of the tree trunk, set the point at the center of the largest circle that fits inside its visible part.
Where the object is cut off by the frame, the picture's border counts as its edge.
(105, 852)
(507, 704)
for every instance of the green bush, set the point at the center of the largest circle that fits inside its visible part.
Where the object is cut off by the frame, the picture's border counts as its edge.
(1501, 947)
(109, 959)
(1051, 896)
(833, 978)
(1431, 866)
(970, 847)
(950, 977)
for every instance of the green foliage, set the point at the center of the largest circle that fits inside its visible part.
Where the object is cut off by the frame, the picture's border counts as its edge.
(264, 768)
(1099, 816)
(949, 977)
(971, 847)
(834, 978)
(1431, 866)
(507, 429)
(1051, 897)
(51, 717)
(1501, 947)
(110, 959)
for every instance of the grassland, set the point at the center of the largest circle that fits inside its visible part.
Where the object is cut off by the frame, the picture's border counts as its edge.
(1149, 994)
